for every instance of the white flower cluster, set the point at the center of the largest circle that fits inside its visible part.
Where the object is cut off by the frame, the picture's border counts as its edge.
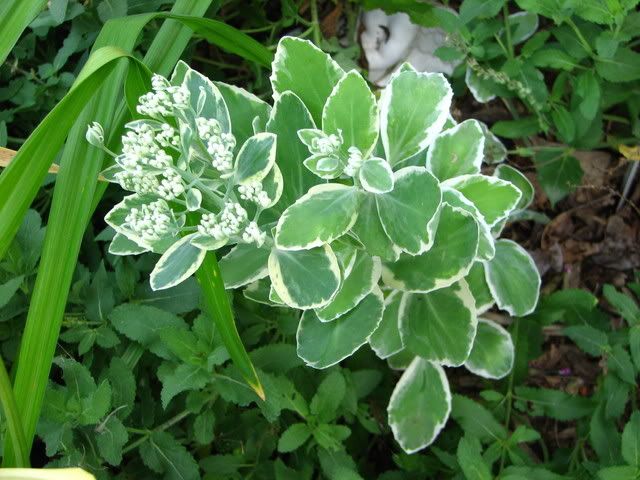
(354, 163)
(219, 144)
(326, 145)
(227, 223)
(152, 221)
(253, 192)
(164, 99)
(137, 181)
(168, 136)
(141, 147)
(171, 185)
(253, 234)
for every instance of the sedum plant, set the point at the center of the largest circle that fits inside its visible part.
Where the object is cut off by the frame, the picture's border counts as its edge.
(370, 216)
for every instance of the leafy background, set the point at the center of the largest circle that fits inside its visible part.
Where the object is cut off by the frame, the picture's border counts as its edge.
(141, 385)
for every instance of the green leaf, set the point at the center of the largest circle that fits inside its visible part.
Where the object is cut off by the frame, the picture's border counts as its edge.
(624, 304)
(180, 379)
(447, 261)
(618, 473)
(369, 231)
(244, 108)
(351, 111)
(482, 89)
(143, 324)
(513, 279)
(587, 88)
(476, 420)
(494, 149)
(523, 127)
(479, 289)
(203, 427)
(556, 403)
(111, 436)
(289, 115)
(492, 354)
(331, 391)
(385, 340)
(631, 440)
(486, 243)
(205, 98)
(293, 437)
(376, 175)
(325, 213)
(558, 173)
(634, 345)
(256, 158)
(300, 67)
(330, 437)
(493, 197)
(590, 340)
(421, 397)
(410, 123)
(623, 67)
(439, 326)
(15, 16)
(163, 454)
(605, 439)
(549, 57)
(522, 25)
(619, 361)
(323, 344)
(457, 151)
(469, 454)
(9, 289)
(522, 183)
(564, 124)
(244, 264)
(177, 264)
(305, 278)
(473, 9)
(358, 282)
(409, 212)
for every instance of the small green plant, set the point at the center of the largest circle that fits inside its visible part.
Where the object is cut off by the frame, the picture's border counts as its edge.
(363, 214)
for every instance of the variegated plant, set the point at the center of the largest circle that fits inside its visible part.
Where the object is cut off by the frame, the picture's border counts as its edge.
(377, 223)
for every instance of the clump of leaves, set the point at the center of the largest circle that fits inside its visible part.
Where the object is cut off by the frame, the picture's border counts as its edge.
(373, 195)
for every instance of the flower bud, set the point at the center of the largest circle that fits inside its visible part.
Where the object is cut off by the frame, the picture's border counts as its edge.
(95, 135)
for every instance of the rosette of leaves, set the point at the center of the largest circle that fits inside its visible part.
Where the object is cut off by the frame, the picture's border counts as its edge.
(387, 232)
(201, 177)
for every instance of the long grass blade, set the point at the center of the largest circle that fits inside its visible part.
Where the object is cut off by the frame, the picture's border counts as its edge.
(15, 16)
(71, 210)
(14, 424)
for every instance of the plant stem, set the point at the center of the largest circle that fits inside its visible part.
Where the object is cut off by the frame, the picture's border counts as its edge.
(509, 398)
(317, 38)
(581, 38)
(507, 29)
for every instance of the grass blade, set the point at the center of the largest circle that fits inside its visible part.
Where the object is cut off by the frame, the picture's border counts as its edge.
(71, 210)
(14, 424)
(15, 16)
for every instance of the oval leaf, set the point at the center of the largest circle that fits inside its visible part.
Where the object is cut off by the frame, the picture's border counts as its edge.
(376, 175)
(255, 158)
(457, 151)
(420, 405)
(439, 326)
(305, 278)
(385, 340)
(177, 264)
(513, 278)
(492, 353)
(323, 344)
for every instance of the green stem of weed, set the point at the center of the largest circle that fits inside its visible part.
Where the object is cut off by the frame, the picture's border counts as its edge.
(317, 38)
(14, 424)
(509, 399)
(507, 29)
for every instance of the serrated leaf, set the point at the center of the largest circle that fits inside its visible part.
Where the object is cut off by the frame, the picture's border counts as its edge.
(180, 379)
(323, 344)
(469, 454)
(409, 212)
(293, 437)
(163, 454)
(421, 397)
(476, 420)
(492, 354)
(328, 397)
(513, 278)
(631, 440)
(441, 325)
(111, 436)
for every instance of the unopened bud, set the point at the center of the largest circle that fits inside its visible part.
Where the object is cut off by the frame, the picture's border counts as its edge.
(95, 135)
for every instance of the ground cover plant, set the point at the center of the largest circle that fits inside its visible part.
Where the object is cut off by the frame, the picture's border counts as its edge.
(375, 324)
